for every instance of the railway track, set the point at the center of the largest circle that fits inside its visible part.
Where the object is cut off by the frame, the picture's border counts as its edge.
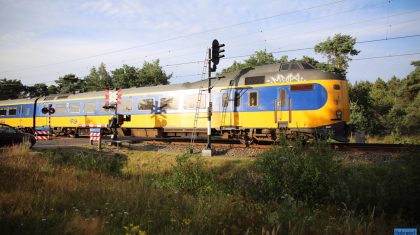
(355, 147)
(345, 147)
(223, 144)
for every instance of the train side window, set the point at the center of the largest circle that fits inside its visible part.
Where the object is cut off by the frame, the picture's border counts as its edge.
(146, 104)
(237, 99)
(102, 104)
(60, 108)
(284, 66)
(225, 99)
(294, 66)
(89, 107)
(3, 111)
(253, 99)
(190, 101)
(126, 105)
(27, 111)
(336, 87)
(12, 111)
(169, 103)
(74, 108)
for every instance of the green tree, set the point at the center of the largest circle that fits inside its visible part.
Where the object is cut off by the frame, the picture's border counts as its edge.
(152, 74)
(11, 89)
(125, 77)
(37, 90)
(362, 112)
(53, 89)
(410, 99)
(256, 59)
(338, 50)
(322, 66)
(70, 84)
(99, 79)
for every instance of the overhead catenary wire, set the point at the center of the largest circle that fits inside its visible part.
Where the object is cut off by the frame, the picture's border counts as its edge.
(181, 36)
(283, 51)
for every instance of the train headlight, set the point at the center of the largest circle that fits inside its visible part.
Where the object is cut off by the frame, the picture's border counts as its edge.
(339, 114)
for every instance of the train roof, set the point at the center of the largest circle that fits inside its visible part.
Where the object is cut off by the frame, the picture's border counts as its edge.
(296, 71)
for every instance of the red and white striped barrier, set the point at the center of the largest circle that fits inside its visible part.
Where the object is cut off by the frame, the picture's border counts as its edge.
(93, 125)
(95, 136)
(42, 135)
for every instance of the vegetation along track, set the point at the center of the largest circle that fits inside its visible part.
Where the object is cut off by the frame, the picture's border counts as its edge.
(347, 147)
(219, 143)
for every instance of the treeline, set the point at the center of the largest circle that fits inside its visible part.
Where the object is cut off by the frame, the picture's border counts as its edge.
(391, 107)
(150, 74)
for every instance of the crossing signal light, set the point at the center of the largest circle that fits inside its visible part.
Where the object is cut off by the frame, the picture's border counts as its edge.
(216, 53)
(49, 110)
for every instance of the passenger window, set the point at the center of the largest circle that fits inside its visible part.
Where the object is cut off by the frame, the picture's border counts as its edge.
(237, 99)
(169, 103)
(190, 101)
(225, 100)
(89, 107)
(74, 108)
(28, 111)
(3, 111)
(336, 87)
(12, 111)
(146, 104)
(253, 99)
(102, 104)
(60, 108)
(126, 105)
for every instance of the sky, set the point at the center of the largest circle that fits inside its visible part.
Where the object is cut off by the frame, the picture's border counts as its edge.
(42, 40)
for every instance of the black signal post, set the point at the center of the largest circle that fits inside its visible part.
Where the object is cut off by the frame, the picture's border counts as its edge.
(214, 57)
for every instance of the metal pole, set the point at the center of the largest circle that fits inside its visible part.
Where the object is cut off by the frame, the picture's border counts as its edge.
(209, 111)
(115, 132)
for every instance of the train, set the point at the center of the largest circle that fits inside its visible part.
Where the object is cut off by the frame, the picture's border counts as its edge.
(254, 104)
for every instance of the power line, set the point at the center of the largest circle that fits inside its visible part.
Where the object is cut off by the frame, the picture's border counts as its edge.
(387, 56)
(180, 37)
(295, 49)
(283, 51)
(260, 31)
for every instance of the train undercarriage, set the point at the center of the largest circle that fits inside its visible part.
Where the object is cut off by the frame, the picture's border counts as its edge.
(337, 131)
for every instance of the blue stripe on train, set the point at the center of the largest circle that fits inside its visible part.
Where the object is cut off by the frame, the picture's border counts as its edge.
(301, 100)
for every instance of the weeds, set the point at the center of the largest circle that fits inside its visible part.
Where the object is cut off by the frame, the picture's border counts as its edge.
(285, 191)
(88, 160)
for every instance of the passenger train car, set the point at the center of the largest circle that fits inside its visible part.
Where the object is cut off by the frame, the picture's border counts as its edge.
(253, 104)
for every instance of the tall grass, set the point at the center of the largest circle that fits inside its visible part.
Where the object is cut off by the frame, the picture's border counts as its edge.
(285, 191)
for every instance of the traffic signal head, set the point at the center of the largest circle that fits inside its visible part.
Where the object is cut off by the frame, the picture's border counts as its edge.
(215, 52)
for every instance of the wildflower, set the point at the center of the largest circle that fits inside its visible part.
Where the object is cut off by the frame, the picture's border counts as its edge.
(186, 221)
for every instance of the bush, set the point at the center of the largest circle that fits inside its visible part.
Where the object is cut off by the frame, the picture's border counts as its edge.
(308, 175)
(388, 186)
(84, 160)
(190, 175)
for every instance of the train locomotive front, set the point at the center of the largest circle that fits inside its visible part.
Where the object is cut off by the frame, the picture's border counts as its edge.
(289, 99)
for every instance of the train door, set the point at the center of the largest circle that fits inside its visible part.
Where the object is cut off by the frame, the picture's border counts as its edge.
(283, 107)
(230, 107)
(42, 118)
(20, 115)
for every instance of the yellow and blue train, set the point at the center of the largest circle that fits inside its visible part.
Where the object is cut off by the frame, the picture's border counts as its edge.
(253, 104)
